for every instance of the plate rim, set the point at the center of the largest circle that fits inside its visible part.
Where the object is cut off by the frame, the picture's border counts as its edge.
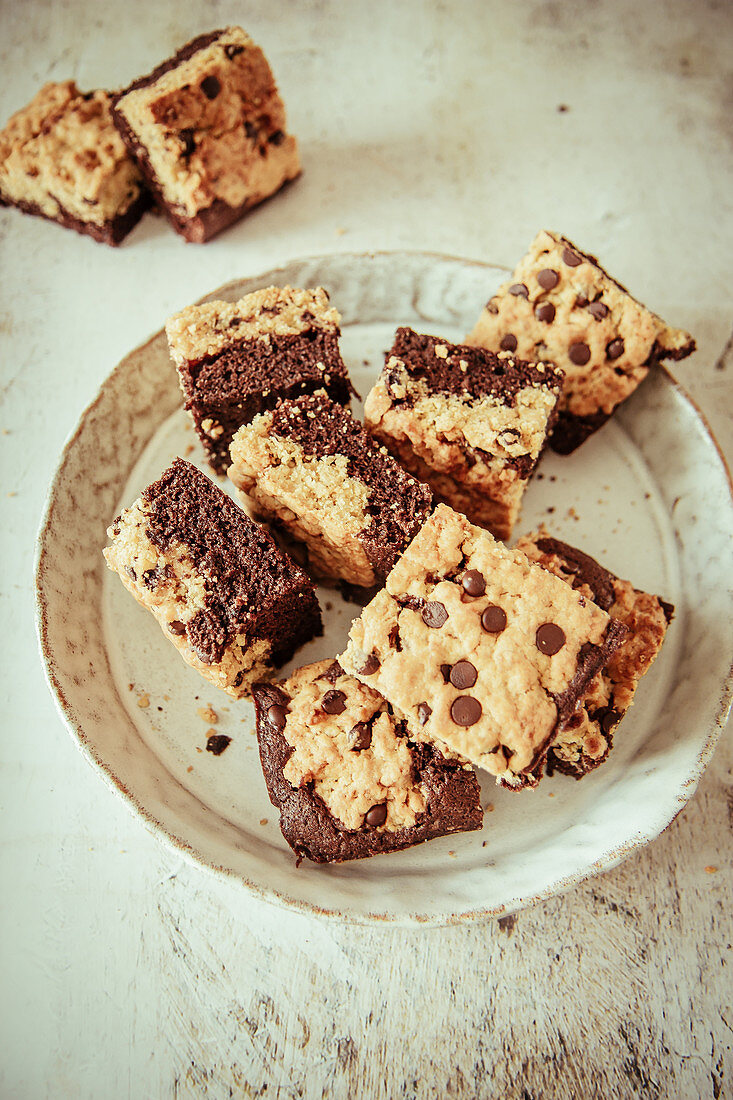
(177, 844)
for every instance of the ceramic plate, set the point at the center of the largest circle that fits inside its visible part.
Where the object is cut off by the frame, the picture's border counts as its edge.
(648, 495)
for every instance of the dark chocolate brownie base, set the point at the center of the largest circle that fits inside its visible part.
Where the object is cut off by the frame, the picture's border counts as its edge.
(250, 376)
(398, 504)
(257, 591)
(453, 797)
(486, 373)
(111, 232)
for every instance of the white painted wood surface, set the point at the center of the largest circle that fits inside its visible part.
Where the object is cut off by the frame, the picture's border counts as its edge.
(127, 972)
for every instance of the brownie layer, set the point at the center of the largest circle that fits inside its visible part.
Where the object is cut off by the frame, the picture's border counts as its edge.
(249, 377)
(448, 794)
(463, 369)
(255, 590)
(112, 232)
(397, 504)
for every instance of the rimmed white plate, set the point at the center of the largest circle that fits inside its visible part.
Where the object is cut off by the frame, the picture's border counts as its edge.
(649, 495)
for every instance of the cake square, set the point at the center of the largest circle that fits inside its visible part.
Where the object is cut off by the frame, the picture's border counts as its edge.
(346, 778)
(234, 359)
(222, 591)
(468, 422)
(560, 305)
(207, 129)
(62, 158)
(587, 737)
(485, 654)
(311, 467)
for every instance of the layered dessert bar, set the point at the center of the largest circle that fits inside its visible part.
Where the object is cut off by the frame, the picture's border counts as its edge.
(223, 593)
(62, 158)
(587, 737)
(234, 359)
(560, 305)
(346, 778)
(207, 129)
(486, 654)
(466, 421)
(313, 470)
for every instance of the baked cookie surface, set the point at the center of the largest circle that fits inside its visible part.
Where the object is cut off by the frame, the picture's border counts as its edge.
(560, 305)
(62, 158)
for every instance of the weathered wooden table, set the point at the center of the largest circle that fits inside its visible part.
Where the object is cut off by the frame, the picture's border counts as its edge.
(459, 128)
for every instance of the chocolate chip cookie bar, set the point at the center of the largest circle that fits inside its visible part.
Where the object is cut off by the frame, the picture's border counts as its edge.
(234, 359)
(207, 129)
(311, 468)
(223, 593)
(587, 737)
(560, 305)
(345, 776)
(466, 421)
(485, 654)
(62, 158)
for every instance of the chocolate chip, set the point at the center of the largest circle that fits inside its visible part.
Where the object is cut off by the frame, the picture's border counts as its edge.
(362, 736)
(549, 639)
(217, 743)
(509, 342)
(276, 138)
(545, 312)
(465, 710)
(493, 619)
(434, 614)
(333, 702)
(547, 278)
(519, 290)
(599, 310)
(615, 349)
(572, 259)
(277, 715)
(150, 578)
(370, 665)
(463, 675)
(235, 321)
(581, 301)
(177, 627)
(376, 816)
(491, 306)
(251, 130)
(607, 718)
(394, 638)
(474, 583)
(186, 136)
(210, 86)
(579, 354)
(232, 51)
(445, 671)
(423, 712)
